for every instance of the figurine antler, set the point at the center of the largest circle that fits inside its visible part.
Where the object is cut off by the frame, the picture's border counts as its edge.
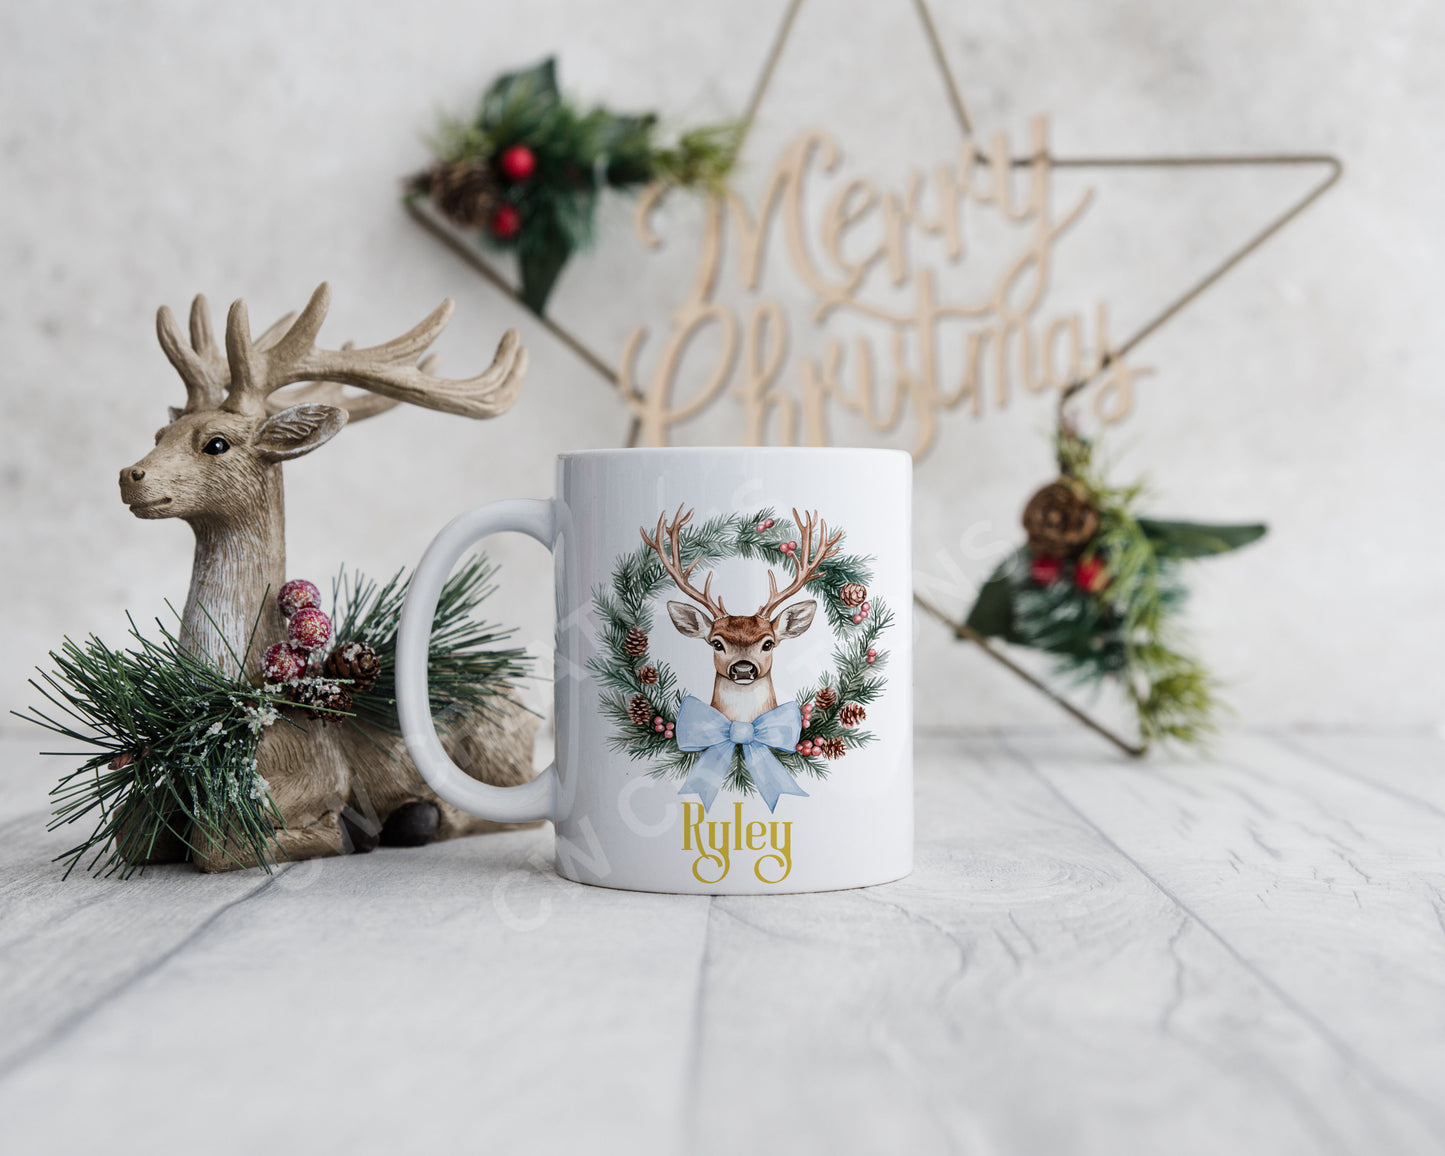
(259, 368)
(806, 568)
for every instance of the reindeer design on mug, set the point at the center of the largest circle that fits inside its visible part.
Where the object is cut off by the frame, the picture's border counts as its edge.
(744, 712)
(743, 645)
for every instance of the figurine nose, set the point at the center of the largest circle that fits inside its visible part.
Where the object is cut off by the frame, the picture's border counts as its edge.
(136, 473)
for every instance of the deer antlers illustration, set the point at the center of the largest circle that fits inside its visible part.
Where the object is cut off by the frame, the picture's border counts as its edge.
(807, 562)
(806, 568)
(671, 560)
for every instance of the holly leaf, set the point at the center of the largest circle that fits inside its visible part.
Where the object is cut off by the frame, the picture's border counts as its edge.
(540, 262)
(535, 87)
(1172, 539)
(993, 610)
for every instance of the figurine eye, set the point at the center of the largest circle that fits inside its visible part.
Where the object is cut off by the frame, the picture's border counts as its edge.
(767, 644)
(217, 445)
(717, 644)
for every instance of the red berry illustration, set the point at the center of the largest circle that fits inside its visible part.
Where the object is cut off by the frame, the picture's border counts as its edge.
(297, 595)
(309, 629)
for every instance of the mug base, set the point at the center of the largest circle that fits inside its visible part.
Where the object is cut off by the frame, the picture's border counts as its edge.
(786, 887)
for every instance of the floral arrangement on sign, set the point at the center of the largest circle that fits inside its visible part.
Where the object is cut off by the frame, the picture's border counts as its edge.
(526, 171)
(1099, 586)
(176, 736)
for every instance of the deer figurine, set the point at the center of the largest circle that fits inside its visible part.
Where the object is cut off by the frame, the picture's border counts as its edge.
(743, 644)
(217, 466)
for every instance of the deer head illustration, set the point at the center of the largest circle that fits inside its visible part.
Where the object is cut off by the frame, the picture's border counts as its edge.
(743, 645)
(217, 465)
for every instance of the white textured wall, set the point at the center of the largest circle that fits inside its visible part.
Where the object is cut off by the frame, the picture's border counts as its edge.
(151, 150)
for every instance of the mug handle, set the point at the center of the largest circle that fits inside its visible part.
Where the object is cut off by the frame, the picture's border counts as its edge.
(519, 804)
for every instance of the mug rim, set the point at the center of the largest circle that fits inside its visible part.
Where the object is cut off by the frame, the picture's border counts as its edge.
(770, 451)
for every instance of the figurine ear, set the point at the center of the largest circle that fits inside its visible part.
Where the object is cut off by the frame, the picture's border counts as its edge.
(174, 411)
(688, 619)
(298, 430)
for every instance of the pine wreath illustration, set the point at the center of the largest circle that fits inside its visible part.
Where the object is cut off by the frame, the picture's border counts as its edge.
(640, 584)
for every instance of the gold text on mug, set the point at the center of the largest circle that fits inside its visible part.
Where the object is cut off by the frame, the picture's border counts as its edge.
(714, 840)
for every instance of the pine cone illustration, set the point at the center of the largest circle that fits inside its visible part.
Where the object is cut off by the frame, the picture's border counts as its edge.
(647, 676)
(356, 661)
(639, 710)
(1060, 520)
(852, 714)
(853, 594)
(636, 642)
(465, 190)
(826, 699)
(832, 748)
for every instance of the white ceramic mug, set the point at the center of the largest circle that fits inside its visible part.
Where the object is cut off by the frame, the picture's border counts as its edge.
(734, 700)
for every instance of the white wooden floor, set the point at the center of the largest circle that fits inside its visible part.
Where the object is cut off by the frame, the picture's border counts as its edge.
(1245, 955)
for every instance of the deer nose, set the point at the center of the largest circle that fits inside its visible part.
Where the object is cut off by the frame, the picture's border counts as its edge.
(743, 671)
(136, 473)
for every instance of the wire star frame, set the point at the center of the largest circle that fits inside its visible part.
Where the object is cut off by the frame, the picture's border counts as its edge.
(430, 219)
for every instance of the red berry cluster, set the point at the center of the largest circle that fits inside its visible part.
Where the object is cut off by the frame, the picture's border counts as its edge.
(308, 629)
(790, 548)
(862, 612)
(766, 525)
(516, 163)
(1090, 574)
(872, 655)
(662, 727)
(810, 748)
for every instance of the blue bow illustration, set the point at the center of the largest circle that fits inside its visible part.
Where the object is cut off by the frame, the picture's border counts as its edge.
(703, 728)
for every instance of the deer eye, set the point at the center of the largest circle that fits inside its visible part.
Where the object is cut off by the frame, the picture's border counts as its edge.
(767, 644)
(717, 644)
(217, 445)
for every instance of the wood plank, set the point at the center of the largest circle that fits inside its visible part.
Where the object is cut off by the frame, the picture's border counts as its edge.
(1407, 764)
(1027, 990)
(1330, 890)
(454, 995)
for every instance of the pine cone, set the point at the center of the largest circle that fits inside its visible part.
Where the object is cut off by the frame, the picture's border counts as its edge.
(636, 642)
(464, 190)
(356, 661)
(647, 676)
(639, 710)
(826, 699)
(1060, 520)
(852, 714)
(853, 594)
(324, 695)
(833, 748)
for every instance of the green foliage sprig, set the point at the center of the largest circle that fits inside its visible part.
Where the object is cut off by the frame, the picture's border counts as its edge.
(175, 737)
(575, 153)
(626, 605)
(175, 740)
(467, 675)
(1126, 629)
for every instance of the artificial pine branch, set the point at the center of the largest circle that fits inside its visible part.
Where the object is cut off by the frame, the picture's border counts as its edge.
(467, 675)
(574, 155)
(175, 737)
